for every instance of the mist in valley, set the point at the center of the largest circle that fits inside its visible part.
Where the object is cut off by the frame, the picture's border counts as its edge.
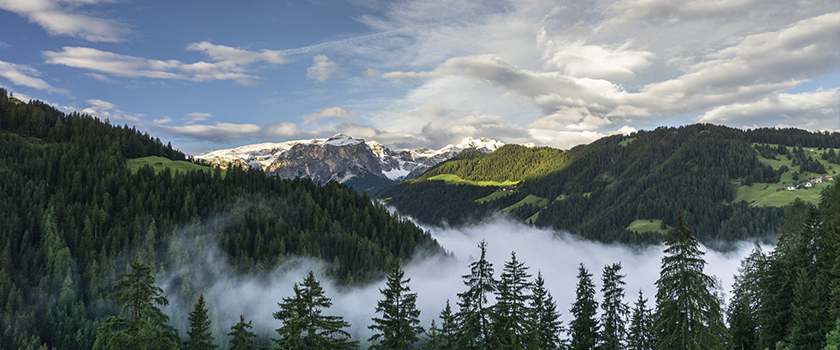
(198, 266)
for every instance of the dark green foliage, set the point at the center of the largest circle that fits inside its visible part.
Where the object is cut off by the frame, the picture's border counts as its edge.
(688, 314)
(598, 190)
(742, 313)
(475, 315)
(583, 329)
(399, 327)
(512, 320)
(544, 318)
(614, 317)
(199, 334)
(640, 336)
(71, 213)
(140, 324)
(241, 337)
(438, 203)
(508, 163)
(304, 325)
(445, 337)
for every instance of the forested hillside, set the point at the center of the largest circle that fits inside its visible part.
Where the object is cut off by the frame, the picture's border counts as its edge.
(72, 214)
(628, 188)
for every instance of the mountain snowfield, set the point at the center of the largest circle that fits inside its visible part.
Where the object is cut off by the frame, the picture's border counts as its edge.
(340, 158)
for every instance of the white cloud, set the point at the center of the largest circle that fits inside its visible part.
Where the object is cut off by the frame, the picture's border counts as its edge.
(64, 18)
(331, 112)
(196, 117)
(813, 110)
(219, 132)
(599, 62)
(228, 63)
(323, 69)
(107, 110)
(26, 76)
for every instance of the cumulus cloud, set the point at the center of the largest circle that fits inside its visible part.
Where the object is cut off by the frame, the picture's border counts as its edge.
(66, 18)
(331, 112)
(323, 69)
(227, 63)
(24, 75)
(811, 110)
(108, 111)
(599, 62)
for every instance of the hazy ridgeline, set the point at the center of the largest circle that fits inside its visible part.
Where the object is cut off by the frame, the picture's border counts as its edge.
(435, 278)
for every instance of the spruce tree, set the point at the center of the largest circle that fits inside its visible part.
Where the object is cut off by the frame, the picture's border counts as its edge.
(241, 337)
(399, 327)
(640, 336)
(447, 335)
(199, 334)
(474, 316)
(511, 312)
(304, 325)
(742, 313)
(688, 312)
(140, 324)
(544, 318)
(583, 329)
(613, 320)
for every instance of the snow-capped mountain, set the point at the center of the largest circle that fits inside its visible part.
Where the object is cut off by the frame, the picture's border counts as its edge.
(341, 158)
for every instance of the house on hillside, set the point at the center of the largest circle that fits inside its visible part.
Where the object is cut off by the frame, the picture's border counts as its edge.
(158, 163)
(817, 180)
(791, 188)
(808, 185)
(829, 178)
(780, 189)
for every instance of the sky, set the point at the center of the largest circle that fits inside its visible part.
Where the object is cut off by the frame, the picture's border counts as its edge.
(425, 73)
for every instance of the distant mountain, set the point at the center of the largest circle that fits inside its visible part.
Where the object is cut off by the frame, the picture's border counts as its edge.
(364, 165)
(628, 187)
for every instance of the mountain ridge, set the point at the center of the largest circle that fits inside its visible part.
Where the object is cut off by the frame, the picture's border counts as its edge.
(341, 158)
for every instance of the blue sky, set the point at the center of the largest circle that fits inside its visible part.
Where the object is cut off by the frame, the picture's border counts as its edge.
(218, 74)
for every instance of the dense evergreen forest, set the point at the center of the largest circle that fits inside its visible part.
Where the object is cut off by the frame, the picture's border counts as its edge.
(598, 190)
(787, 299)
(72, 215)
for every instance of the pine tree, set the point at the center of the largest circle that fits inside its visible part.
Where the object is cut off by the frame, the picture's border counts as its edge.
(743, 306)
(241, 337)
(583, 329)
(615, 314)
(399, 327)
(640, 336)
(140, 324)
(511, 312)
(304, 325)
(445, 336)
(688, 310)
(199, 334)
(545, 319)
(474, 316)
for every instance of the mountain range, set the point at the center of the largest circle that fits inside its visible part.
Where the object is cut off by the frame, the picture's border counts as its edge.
(363, 165)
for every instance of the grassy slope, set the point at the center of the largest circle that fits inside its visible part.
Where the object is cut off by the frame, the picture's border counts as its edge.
(178, 165)
(765, 194)
(647, 226)
(531, 199)
(455, 180)
(494, 195)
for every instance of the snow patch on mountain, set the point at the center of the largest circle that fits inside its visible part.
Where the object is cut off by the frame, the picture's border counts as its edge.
(340, 158)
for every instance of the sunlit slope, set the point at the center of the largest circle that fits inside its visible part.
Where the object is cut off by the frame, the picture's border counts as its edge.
(611, 189)
(160, 163)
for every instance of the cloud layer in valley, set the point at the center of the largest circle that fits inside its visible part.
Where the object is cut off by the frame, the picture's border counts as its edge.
(434, 279)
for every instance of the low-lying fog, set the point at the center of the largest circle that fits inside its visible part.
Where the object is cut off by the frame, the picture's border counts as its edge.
(434, 280)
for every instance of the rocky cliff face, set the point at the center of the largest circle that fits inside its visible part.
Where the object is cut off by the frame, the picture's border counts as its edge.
(341, 158)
